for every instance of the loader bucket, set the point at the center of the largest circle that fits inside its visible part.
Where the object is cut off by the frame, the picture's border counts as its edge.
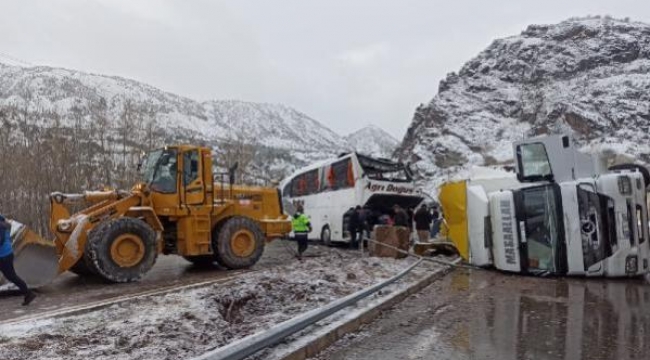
(35, 259)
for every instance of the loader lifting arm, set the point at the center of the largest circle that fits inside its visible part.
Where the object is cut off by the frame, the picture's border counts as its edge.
(71, 230)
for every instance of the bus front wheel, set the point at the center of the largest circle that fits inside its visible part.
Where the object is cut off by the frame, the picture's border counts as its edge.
(326, 236)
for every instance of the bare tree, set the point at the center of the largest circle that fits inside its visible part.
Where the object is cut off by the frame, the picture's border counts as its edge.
(239, 147)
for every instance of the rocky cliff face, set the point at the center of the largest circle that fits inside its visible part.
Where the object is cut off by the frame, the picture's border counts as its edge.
(589, 77)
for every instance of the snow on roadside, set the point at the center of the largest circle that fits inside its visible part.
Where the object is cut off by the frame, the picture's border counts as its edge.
(191, 322)
(4, 286)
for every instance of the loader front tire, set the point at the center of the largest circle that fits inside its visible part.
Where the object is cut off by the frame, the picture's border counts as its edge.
(239, 243)
(123, 249)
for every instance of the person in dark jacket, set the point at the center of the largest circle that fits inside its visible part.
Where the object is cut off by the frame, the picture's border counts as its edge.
(400, 216)
(7, 262)
(423, 219)
(301, 228)
(354, 225)
(366, 221)
(437, 221)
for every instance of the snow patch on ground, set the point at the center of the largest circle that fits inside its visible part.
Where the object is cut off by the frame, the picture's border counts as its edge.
(191, 322)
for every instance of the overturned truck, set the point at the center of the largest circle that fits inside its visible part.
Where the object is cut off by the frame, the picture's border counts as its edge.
(565, 213)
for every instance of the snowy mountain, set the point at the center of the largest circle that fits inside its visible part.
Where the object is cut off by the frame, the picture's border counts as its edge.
(587, 76)
(131, 112)
(374, 141)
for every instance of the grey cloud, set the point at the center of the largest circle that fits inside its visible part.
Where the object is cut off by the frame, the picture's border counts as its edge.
(345, 63)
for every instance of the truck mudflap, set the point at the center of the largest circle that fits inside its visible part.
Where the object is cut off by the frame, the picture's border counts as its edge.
(35, 259)
(453, 199)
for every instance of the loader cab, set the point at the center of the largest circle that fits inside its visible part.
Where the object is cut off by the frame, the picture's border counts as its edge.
(178, 176)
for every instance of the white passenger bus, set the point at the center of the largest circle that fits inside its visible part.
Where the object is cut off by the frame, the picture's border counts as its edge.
(327, 190)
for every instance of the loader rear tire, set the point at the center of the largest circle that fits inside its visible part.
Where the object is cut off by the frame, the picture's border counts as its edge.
(239, 243)
(123, 249)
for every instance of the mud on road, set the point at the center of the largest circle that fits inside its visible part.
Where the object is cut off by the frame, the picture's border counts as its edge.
(489, 315)
(71, 290)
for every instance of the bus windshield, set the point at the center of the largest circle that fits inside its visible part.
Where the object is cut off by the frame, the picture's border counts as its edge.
(543, 231)
(380, 169)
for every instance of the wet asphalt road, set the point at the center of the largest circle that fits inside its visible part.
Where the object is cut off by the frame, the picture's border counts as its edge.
(71, 290)
(488, 315)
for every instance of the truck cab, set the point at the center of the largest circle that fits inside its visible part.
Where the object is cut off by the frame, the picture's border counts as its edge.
(566, 213)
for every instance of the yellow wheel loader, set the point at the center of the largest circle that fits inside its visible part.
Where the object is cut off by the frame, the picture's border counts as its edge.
(178, 208)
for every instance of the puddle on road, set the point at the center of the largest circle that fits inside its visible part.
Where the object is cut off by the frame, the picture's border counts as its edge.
(498, 316)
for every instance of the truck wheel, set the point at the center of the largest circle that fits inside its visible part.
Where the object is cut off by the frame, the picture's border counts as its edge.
(239, 243)
(123, 249)
(326, 236)
(201, 261)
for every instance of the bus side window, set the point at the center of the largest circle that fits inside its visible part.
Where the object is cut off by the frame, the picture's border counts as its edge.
(302, 185)
(286, 192)
(331, 178)
(341, 177)
(295, 186)
(312, 183)
(323, 179)
(350, 174)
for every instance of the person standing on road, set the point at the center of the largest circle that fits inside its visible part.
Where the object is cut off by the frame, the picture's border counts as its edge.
(401, 218)
(411, 215)
(366, 221)
(354, 225)
(435, 228)
(7, 262)
(423, 219)
(301, 228)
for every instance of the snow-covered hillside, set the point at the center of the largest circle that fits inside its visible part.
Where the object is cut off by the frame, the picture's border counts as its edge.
(374, 141)
(68, 98)
(587, 76)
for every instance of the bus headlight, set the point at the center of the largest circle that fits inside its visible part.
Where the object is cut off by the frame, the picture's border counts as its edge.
(631, 264)
(624, 185)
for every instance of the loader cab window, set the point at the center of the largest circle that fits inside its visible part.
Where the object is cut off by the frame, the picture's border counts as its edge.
(190, 167)
(159, 170)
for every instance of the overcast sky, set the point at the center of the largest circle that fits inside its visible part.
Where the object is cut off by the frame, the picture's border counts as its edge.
(346, 63)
